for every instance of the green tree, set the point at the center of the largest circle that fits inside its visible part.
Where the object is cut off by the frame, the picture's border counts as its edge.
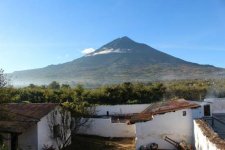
(3, 81)
(65, 86)
(79, 91)
(2, 114)
(54, 85)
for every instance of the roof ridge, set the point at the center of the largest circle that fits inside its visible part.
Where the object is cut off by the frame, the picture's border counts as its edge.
(22, 115)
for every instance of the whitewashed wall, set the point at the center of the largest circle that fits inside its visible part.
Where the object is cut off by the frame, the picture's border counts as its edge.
(200, 110)
(172, 124)
(44, 132)
(103, 127)
(217, 105)
(201, 141)
(120, 109)
(28, 140)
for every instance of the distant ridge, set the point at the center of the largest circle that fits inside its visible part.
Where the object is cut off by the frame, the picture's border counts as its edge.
(122, 60)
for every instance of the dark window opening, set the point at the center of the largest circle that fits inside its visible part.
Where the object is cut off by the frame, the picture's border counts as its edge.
(56, 130)
(184, 113)
(207, 110)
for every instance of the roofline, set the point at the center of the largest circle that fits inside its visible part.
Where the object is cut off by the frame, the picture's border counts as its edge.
(9, 131)
(151, 114)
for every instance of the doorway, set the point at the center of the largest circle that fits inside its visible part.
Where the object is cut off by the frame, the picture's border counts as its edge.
(207, 110)
(14, 141)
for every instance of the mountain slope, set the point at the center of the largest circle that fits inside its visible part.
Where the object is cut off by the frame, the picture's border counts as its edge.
(121, 60)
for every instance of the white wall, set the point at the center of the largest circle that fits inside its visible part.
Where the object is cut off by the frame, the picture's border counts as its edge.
(44, 133)
(45, 136)
(28, 140)
(120, 109)
(201, 141)
(198, 112)
(172, 124)
(217, 104)
(103, 127)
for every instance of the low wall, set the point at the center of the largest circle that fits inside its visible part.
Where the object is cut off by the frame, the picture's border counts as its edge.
(173, 125)
(120, 109)
(206, 138)
(103, 127)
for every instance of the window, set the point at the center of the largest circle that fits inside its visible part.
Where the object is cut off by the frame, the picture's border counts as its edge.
(56, 130)
(206, 110)
(184, 113)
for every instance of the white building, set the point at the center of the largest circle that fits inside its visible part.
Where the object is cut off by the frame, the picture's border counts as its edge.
(147, 123)
(209, 131)
(173, 119)
(33, 126)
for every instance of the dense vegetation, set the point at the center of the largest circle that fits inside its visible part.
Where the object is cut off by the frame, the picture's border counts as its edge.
(116, 94)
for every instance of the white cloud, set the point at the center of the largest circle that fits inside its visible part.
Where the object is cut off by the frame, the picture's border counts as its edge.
(88, 50)
(107, 51)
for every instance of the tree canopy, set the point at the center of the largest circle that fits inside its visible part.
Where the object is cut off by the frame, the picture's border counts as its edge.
(124, 93)
(3, 81)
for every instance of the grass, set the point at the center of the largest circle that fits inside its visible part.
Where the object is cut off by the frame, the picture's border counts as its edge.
(81, 142)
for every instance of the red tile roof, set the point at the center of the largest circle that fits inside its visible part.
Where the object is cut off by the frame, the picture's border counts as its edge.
(169, 106)
(19, 117)
(163, 107)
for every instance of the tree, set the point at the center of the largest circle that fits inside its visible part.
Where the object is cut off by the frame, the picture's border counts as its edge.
(59, 122)
(80, 113)
(32, 86)
(3, 81)
(54, 85)
(79, 91)
(3, 91)
(65, 86)
(80, 110)
(67, 120)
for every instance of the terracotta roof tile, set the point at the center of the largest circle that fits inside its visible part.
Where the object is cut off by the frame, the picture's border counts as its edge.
(161, 108)
(169, 106)
(19, 117)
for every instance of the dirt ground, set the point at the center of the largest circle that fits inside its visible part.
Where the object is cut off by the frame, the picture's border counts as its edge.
(81, 142)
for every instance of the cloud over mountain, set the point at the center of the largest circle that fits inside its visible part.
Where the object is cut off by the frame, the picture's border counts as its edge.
(121, 60)
(88, 50)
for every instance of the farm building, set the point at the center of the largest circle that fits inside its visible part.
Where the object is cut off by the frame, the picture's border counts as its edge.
(33, 126)
(172, 119)
(168, 124)
(150, 123)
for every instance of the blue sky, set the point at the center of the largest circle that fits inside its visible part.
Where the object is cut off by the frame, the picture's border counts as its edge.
(37, 33)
